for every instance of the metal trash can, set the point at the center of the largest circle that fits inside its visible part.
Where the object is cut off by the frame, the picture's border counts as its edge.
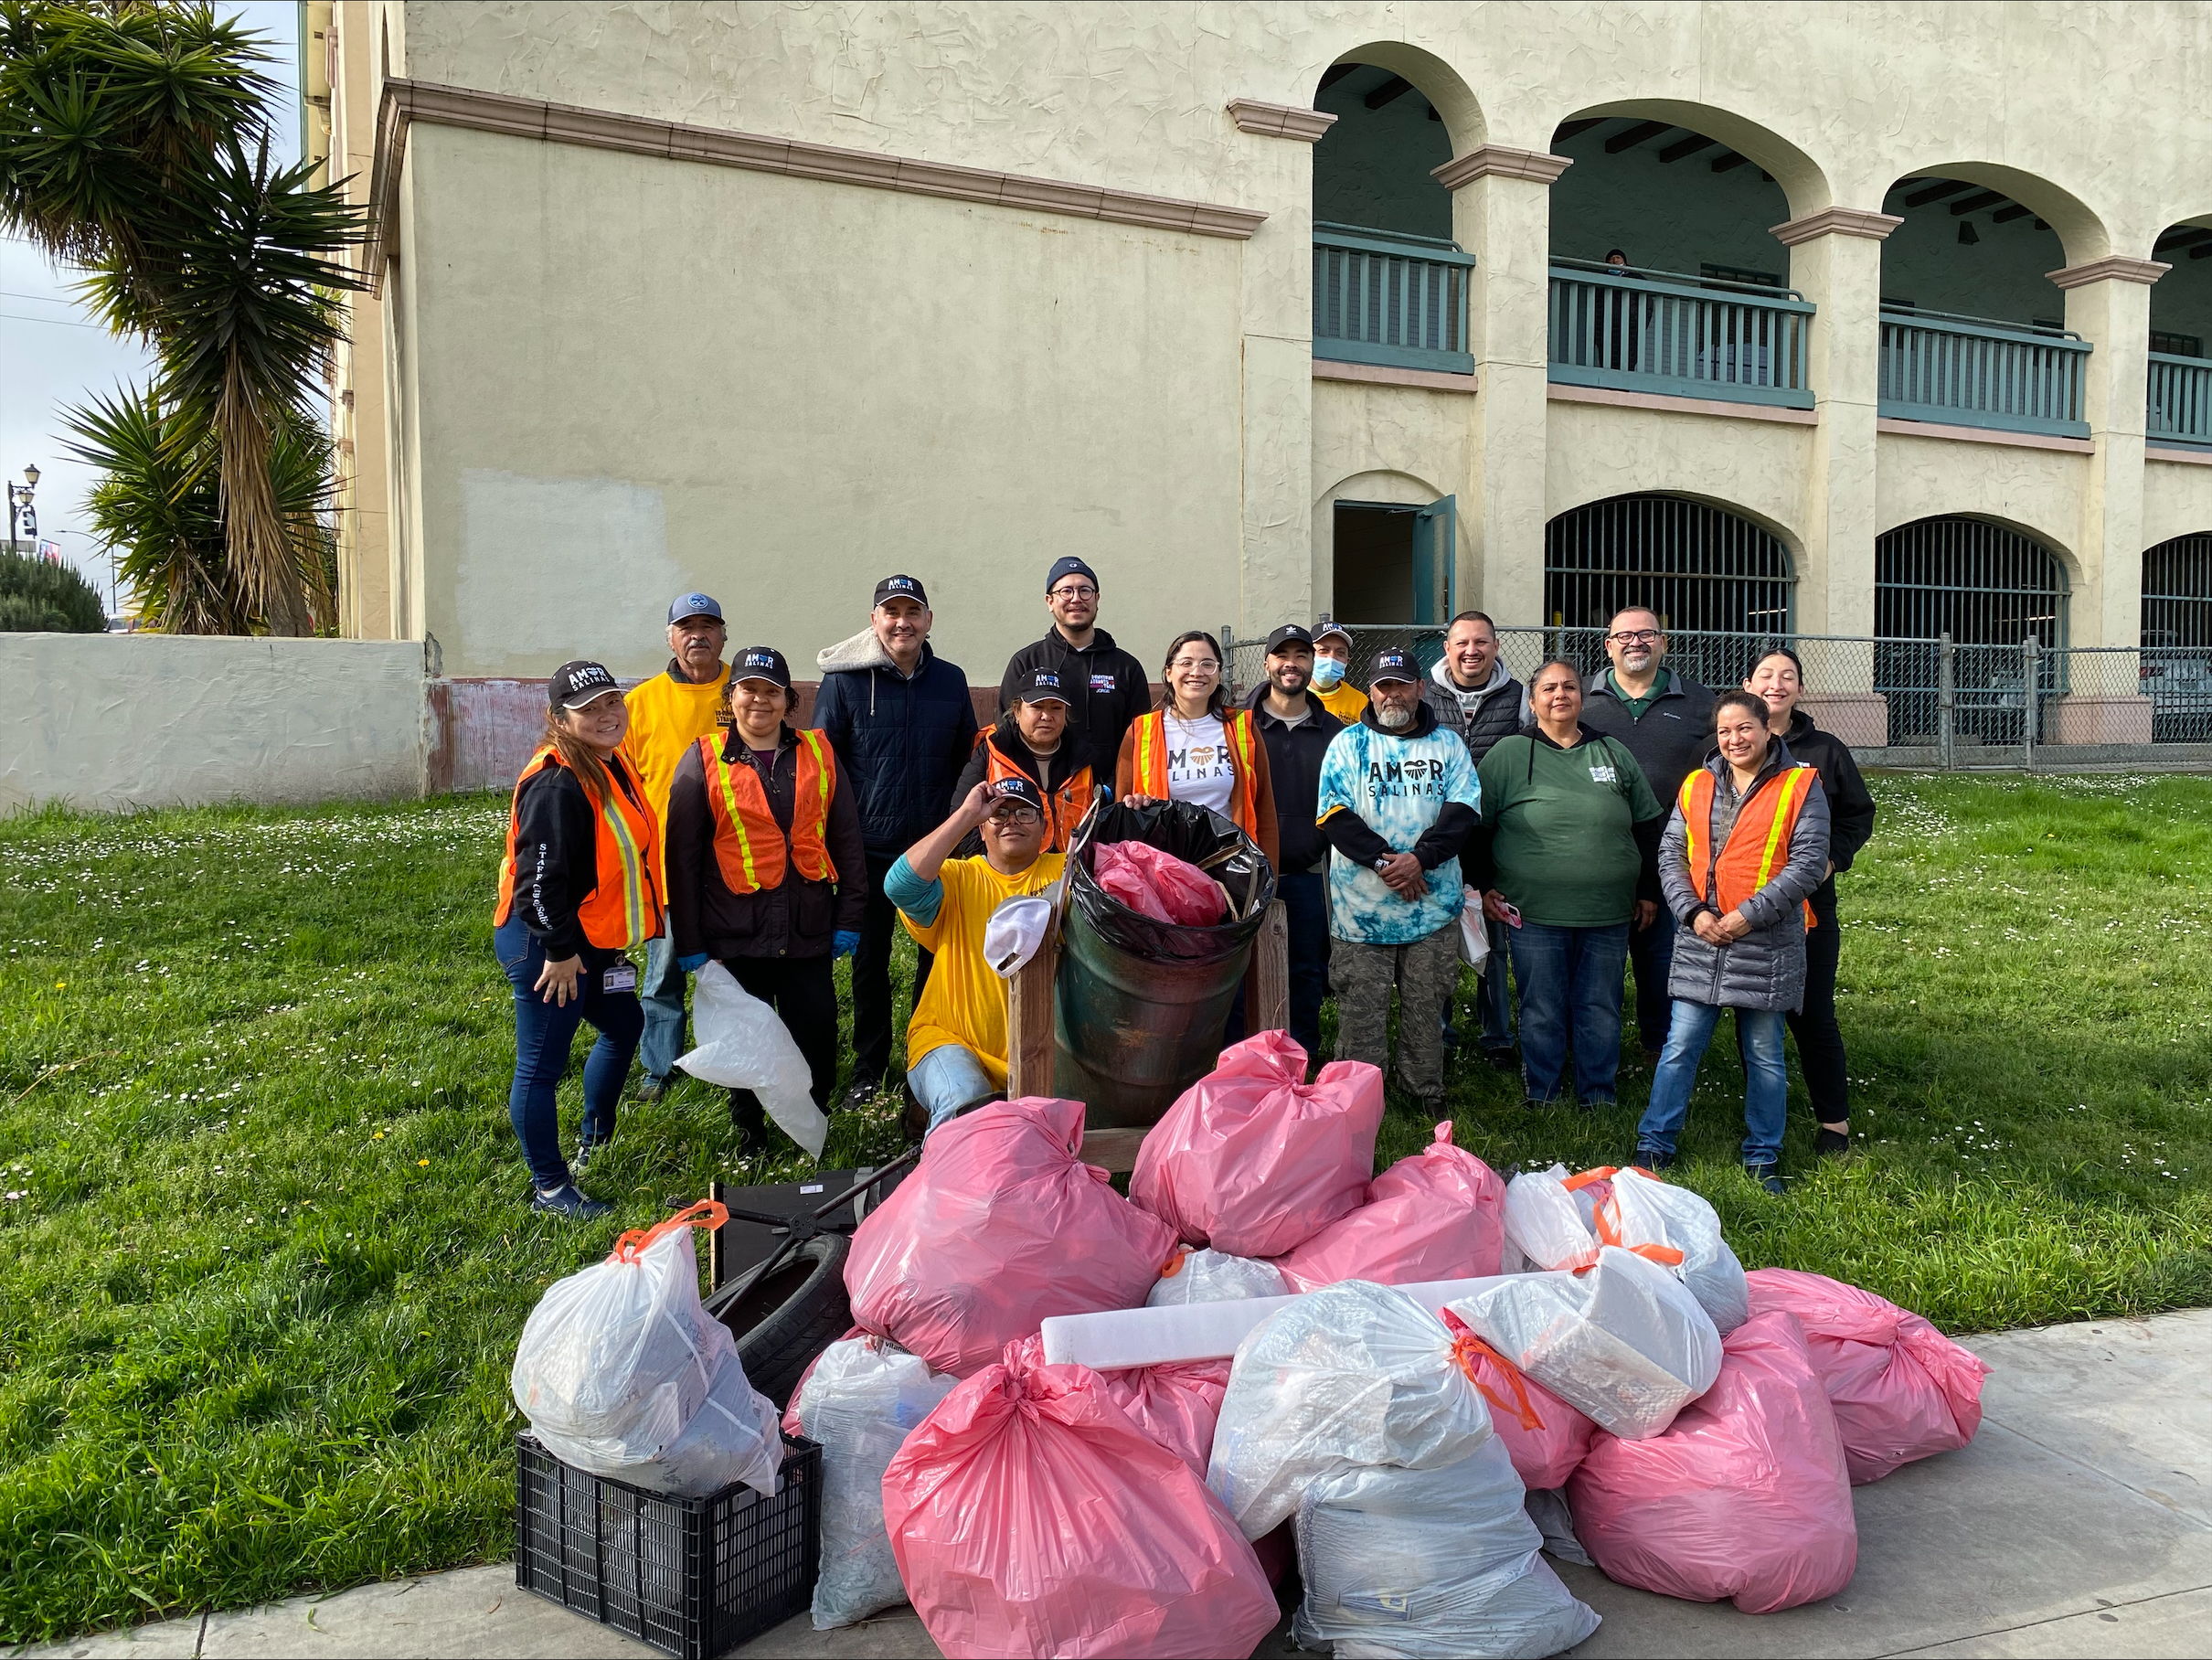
(1139, 1005)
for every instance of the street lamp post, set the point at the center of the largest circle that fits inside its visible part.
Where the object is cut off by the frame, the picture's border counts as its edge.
(19, 506)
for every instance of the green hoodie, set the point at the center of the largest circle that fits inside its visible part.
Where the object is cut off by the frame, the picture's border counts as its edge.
(1563, 847)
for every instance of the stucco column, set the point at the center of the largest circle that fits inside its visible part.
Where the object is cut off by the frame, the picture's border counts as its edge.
(1277, 575)
(1835, 261)
(1501, 213)
(2108, 304)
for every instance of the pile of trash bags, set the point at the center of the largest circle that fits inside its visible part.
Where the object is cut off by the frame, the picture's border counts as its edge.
(1602, 1382)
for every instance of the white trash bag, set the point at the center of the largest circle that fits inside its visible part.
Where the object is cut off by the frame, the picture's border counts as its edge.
(860, 1401)
(1353, 1374)
(1546, 1223)
(1624, 1342)
(1430, 1565)
(735, 1436)
(1214, 1276)
(1648, 1212)
(743, 1046)
(1475, 930)
(618, 1359)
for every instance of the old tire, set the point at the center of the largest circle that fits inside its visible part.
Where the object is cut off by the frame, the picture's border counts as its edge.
(784, 1321)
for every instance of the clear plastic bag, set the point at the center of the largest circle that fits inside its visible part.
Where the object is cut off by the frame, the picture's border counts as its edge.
(616, 1358)
(1213, 1276)
(743, 1044)
(1354, 1374)
(1644, 1210)
(1474, 931)
(733, 1437)
(861, 1401)
(1551, 1217)
(1430, 1565)
(1624, 1341)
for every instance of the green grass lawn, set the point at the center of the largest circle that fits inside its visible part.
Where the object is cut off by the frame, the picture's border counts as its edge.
(263, 1251)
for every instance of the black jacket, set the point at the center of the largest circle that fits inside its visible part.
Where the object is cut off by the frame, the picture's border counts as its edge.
(1350, 834)
(1294, 767)
(556, 859)
(1106, 687)
(1850, 804)
(1670, 742)
(794, 919)
(1047, 773)
(901, 741)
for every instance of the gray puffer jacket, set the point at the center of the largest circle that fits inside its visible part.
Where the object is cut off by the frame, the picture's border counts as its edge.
(1765, 968)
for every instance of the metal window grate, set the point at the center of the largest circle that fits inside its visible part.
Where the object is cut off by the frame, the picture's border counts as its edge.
(1988, 589)
(1701, 567)
(2175, 670)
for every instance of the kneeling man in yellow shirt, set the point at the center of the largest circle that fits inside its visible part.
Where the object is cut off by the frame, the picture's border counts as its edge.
(956, 1043)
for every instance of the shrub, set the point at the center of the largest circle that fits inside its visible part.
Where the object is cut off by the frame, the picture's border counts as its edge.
(38, 596)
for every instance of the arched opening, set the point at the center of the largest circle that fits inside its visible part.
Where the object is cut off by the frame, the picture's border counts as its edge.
(2178, 401)
(1665, 274)
(1703, 569)
(1389, 283)
(1973, 330)
(2176, 659)
(1992, 588)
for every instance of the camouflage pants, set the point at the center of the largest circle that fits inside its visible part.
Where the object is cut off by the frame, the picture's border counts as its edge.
(1424, 974)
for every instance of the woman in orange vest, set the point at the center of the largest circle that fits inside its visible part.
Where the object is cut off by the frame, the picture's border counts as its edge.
(1746, 845)
(1195, 747)
(577, 895)
(767, 867)
(1031, 742)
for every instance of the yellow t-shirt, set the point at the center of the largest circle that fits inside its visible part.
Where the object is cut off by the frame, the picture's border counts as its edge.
(668, 716)
(966, 1001)
(1346, 702)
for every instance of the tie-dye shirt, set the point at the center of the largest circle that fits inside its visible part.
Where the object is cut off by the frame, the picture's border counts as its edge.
(1397, 786)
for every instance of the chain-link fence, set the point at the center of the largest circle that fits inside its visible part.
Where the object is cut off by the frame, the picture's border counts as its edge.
(1927, 701)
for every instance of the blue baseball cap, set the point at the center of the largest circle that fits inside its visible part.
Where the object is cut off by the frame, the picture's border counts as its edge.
(693, 606)
(1392, 665)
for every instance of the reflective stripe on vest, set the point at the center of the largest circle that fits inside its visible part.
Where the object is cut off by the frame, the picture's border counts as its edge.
(749, 846)
(1756, 847)
(1151, 765)
(1064, 806)
(624, 908)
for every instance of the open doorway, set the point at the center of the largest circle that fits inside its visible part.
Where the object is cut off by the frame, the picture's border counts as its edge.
(1393, 562)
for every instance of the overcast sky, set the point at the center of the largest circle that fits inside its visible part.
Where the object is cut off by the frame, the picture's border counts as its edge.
(52, 355)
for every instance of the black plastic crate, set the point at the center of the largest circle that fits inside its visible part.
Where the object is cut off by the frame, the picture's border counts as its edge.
(693, 1576)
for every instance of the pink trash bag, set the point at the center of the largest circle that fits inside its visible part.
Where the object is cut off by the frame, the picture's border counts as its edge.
(1744, 1496)
(1901, 1388)
(1546, 1438)
(1252, 1161)
(1031, 1517)
(1436, 1215)
(1155, 883)
(1176, 1403)
(999, 1226)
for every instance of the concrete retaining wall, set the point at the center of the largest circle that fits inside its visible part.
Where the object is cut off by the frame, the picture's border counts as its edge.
(150, 720)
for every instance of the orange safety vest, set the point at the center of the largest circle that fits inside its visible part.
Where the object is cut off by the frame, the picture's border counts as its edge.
(1758, 844)
(749, 846)
(624, 908)
(1150, 768)
(1064, 807)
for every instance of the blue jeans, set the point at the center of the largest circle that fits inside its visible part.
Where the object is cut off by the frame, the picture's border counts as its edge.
(1766, 1102)
(949, 1080)
(1570, 986)
(1652, 952)
(661, 989)
(543, 1032)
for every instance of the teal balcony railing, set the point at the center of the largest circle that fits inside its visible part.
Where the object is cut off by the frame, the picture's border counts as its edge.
(1380, 296)
(2179, 402)
(1659, 331)
(1974, 372)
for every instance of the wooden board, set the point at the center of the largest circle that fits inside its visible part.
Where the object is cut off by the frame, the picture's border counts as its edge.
(1267, 983)
(1029, 995)
(1112, 1150)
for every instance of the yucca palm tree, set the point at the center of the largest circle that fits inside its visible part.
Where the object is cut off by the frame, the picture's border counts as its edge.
(133, 142)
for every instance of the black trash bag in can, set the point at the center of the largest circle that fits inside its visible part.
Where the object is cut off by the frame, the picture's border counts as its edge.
(1140, 1005)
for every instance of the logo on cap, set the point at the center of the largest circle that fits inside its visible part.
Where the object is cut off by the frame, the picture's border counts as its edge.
(906, 584)
(1389, 664)
(1009, 786)
(1045, 677)
(591, 675)
(757, 659)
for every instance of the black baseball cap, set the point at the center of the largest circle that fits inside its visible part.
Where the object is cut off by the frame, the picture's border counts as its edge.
(693, 606)
(1392, 665)
(900, 588)
(1321, 630)
(1290, 634)
(1069, 567)
(576, 684)
(1017, 788)
(760, 663)
(1044, 687)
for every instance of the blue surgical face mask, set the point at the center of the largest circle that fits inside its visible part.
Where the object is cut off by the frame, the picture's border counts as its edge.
(1327, 673)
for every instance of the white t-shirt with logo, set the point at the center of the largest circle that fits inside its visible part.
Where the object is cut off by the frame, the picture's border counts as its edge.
(1200, 766)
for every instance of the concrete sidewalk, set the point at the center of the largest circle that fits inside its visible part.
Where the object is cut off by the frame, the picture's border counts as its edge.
(2079, 1523)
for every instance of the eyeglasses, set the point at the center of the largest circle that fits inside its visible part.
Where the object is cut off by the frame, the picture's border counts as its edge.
(1081, 590)
(1019, 813)
(1204, 665)
(1636, 636)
